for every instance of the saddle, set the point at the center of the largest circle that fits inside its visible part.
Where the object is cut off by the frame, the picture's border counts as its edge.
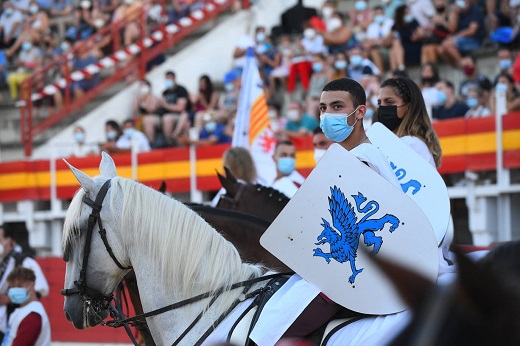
(241, 330)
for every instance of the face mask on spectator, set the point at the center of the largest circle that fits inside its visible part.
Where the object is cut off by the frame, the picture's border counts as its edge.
(18, 295)
(228, 87)
(98, 23)
(111, 135)
(286, 51)
(129, 2)
(260, 37)
(26, 46)
(33, 9)
(309, 33)
(317, 67)
(505, 64)
(8, 11)
(286, 165)
(129, 132)
(379, 19)
(408, 18)
(360, 6)
(64, 46)
(85, 4)
(461, 4)
(334, 24)
(472, 102)
(442, 97)
(327, 12)
(79, 137)
(268, 46)
(340, 64)
(293, 115)
(356, 60)
(211, 126)
(169, 84)
(468, 70)
(272, 114)
(144, 89)
(440, 9)
(501, 87)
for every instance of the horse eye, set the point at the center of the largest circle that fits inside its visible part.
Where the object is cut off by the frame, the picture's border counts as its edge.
(259, 189)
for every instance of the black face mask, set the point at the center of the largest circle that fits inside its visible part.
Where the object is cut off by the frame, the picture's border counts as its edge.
(440, 9)
(387, 115)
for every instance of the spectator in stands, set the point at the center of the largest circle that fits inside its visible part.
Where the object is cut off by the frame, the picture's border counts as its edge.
(176, 109)
(320, 143)
(422, 11)
(301, 68)
(228, 100)
(466, 23)
(86, 56)
(281, 72)
(246, 41)
(29, 323)
(505, 61)
(299, 123)
(438, 32)
(129, 12)
(449, 107)
(285, 160)
(360, 18)
(337, 35)
(327, 11)
(405, 39)
(132, 139)
(339, 66)
(213, 132)
(476, 102)
(360, 67)
(429, 78)
(499, 13)
(112, 133)
(375, 43)
(29, 59)
(82, 148)
(61, 8)
(505, 82)
(146, 107)
(84, 22)
(11, 25)
(17, 252)
(320, 77)
(34, 26)
(269, 59)
(107, 6)
(206, 100)
(179, 9)
(474, 78)
(277, 121)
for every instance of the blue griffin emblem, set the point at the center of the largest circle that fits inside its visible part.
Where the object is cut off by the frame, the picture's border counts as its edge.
(344, 237)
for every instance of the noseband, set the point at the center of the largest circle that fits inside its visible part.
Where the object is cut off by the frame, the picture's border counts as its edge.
(89, 294)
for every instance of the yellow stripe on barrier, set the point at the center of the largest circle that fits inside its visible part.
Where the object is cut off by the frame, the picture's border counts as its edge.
(481, 143)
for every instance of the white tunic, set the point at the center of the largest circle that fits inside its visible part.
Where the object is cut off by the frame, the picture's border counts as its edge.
(44, 339)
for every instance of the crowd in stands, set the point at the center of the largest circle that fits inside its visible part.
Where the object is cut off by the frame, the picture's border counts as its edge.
(370, 42)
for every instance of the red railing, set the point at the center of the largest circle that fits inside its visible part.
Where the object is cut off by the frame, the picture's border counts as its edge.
(154, 39)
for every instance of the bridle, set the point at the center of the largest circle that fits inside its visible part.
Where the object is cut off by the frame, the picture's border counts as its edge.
(95, 298)
(91, 296)
(234, 200)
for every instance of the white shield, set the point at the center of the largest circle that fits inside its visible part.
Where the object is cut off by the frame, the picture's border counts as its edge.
(419, 180)
(321, 231)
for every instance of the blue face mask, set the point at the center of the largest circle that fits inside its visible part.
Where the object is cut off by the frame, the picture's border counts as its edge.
(356, 60)
(441, 97)
(129, 132)
(228, 86)
(317, 67)
(335, 126)
(111, 135)
(210, 127)
(286, 165)
(408, 18)
(26, 46)
(340, 64)
(379, 19)
(360, 6)
(501, 87)
(472, 102)
(169, 84)
(505, 64)
(79, 137)
(260, 37)
(18, 295)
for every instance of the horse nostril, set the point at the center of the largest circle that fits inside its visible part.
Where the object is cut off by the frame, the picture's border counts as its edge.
(67, 316)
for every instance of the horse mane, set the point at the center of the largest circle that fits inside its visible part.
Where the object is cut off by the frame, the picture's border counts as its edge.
(164, 226)
(71, 225)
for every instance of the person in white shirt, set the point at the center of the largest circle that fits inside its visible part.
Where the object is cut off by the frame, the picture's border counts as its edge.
(477, 104)
(12, 254)
(132, 138)
(11, 25)
(375, 37)
(287, 180)
(29, 323)
(81, 147)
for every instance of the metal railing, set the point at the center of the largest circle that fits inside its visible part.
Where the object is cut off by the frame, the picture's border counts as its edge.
(119, 62)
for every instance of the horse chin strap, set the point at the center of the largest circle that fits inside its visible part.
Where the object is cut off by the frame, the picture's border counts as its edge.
(90, 294)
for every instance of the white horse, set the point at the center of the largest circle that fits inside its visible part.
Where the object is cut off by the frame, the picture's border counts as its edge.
(174, 252)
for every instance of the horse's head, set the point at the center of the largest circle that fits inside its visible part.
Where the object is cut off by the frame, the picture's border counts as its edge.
(258, 200)
(92, 247)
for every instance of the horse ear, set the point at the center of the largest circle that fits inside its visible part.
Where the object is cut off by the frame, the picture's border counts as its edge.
(86, 182)
(107, 167)
(412, 286)
(226, 183)
(230, 176)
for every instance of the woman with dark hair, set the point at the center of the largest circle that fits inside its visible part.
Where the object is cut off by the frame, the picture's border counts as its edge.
(205, 100)
(406, 40)
(402, 111)
(429, 77)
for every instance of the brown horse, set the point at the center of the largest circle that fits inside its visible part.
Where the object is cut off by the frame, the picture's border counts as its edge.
(255, 199)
